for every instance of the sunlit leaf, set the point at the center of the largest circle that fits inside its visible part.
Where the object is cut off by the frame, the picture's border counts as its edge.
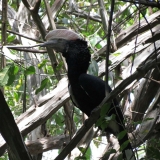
(30, 70)
(10, 38)
(82, 149)
(98, 46)
(59, 66)
(80, 158)
(43, 85)
(88, 154)
(116, 54)
(16, 96)
(12, 74)
(42, 64)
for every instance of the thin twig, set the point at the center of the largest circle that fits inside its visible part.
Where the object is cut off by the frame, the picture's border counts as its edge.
(21, 35)
(108, 44)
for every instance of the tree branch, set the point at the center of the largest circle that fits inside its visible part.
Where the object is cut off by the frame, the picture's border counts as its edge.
(37, 5)
(10, 132)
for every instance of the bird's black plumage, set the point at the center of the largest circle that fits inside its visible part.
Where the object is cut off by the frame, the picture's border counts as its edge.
(87, 91)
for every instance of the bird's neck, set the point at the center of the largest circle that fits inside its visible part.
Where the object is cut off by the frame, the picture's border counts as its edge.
(78, 58)
(75, 69)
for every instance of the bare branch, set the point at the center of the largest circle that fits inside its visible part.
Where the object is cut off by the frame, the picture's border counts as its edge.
(54, 10)
(33, 39)
(25, 2)
(47, 143)
(27, 50)
(37, 5)
(49, 14)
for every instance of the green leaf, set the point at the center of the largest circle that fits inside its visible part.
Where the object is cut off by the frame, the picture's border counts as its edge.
(12, 74)
(58, 120)
(120, 157)
(110, 118)
(16, 96)
(138, 122)
(105, 109)
(16, 69)
(124, 145)
(10, 38)
(42, 64)
(59, 66)
(98, 46)
(81, 158)
(109, 62)
(82, 149)
(122, 134)
(30, 70)
(88, 154)
(116, 54)
(99, 122)
(104, 125)
(104, 120)
(112, 151)
(93, 68)
(153, 152)
(97, 142)
(148, 119)
(43, 85)
(4, 76)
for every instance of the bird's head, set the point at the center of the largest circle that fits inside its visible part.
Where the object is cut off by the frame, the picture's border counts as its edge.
(59, 39)
(72, 47)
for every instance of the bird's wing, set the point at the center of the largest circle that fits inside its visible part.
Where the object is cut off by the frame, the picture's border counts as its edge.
(93, 86)
(88, 93)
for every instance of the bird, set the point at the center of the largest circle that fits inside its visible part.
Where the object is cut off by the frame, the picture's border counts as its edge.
(86, 91)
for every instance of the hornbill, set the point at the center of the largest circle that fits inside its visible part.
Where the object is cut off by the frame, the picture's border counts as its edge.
(86, 91)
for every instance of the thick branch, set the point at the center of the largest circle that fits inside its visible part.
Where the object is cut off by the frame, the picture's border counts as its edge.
(47, 106)
(10, 132)
(47, 143)
(131, 31)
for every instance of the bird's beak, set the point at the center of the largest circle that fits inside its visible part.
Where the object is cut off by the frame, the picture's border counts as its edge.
(51, 43)
(59, 45)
